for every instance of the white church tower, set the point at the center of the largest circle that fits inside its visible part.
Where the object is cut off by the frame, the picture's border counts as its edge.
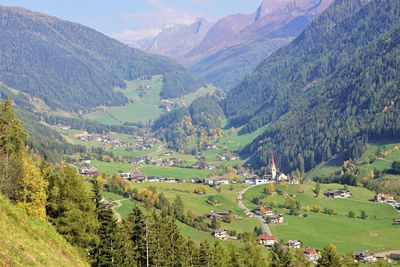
(273, 168)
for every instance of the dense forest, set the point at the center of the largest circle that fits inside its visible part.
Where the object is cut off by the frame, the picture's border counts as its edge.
(202, 119)
(332, 89)
(41, 139)
(72, 67)
(56, 193)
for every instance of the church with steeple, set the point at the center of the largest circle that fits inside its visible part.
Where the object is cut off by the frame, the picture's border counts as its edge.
(275, 176)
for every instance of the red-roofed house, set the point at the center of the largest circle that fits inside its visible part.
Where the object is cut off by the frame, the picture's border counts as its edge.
(312, 254)
(267, 240)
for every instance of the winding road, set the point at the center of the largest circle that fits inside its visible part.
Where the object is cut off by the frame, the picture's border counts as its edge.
(264, 225)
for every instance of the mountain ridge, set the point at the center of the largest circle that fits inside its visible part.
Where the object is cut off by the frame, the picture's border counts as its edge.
(71, 66)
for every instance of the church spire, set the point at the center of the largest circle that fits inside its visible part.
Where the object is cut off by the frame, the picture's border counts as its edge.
(273, 168)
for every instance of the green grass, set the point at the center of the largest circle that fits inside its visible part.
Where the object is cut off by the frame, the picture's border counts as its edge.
(195, 203)
(110, 168)
(139, 109)
(189, 98)
(376, 233)
(174, 172)
(28, 241)
(334, 166)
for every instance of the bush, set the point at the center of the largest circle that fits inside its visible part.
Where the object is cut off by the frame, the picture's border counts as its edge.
(352, 214)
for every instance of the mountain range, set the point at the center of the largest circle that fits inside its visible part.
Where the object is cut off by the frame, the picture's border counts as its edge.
(72, 67)
(331, 90)
(236, 44)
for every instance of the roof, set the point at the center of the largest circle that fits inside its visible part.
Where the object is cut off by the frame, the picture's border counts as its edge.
(266, 237)
(311, 251)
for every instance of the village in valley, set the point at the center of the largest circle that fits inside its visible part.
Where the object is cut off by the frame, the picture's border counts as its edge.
(224, 198)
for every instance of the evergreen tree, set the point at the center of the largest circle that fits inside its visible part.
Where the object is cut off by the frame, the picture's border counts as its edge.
(280, 257)
(71, 209)
(234, 256)
(329, 258)
(218, 255)
(253, 255)
(106, 249)
(178, 209)
(205, 255)
(136, 223)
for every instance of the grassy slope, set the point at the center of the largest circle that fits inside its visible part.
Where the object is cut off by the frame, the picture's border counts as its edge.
(376, 234)
(27, 241)
(334, 165)
(140, 109)
(189, 98)
(193, 202)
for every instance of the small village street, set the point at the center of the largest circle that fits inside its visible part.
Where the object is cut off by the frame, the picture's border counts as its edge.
(264, 225)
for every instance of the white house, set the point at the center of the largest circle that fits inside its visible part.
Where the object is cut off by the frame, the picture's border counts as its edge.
(312, 254)
(293, 244)
(267, 240)
(220, 234)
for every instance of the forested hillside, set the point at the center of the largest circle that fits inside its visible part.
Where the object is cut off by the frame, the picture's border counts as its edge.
(41, 138)
(331, 90)
(73, 67)
(202, 119)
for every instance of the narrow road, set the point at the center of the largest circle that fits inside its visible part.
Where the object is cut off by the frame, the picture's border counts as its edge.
(248, 212)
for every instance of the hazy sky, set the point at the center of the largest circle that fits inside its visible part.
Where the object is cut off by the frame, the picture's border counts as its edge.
(130, 20)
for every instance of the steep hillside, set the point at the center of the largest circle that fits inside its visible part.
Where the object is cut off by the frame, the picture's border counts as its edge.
(240, 43)
(44, 140)
(73, 67)
(177, 40)
(27, 241)
(332, 89)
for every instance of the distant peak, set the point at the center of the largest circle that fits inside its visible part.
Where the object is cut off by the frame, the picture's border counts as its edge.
(268, 7)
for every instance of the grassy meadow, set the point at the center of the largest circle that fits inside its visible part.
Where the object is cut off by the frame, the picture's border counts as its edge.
(376, 233)
(138, 109)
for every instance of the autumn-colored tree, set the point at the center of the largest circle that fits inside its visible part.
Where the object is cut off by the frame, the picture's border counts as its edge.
(20, 180)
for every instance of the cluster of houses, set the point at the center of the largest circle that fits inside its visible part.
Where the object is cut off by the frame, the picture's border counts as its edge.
(268, 215)
(88, 170)
(148, 160)
(387, 198)
(227, 157)
(340, 193)
(272, 177)
(102, 138)
(310, 254)
(367, 257)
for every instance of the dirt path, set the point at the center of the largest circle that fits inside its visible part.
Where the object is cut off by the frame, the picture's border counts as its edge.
(117, 205)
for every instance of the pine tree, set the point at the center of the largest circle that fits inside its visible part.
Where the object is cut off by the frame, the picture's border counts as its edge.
(218, 255)
(234, 256)
(106, 249)
(204, 255)
(253, 255)
(329, 258)
(138, 230)
(178, 209)
(71, 209)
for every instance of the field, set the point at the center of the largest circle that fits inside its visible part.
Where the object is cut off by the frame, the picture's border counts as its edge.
(172, 172)
(195, 203)
(189, 98)
(126, 207)
(139, 109)
(349, 234)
